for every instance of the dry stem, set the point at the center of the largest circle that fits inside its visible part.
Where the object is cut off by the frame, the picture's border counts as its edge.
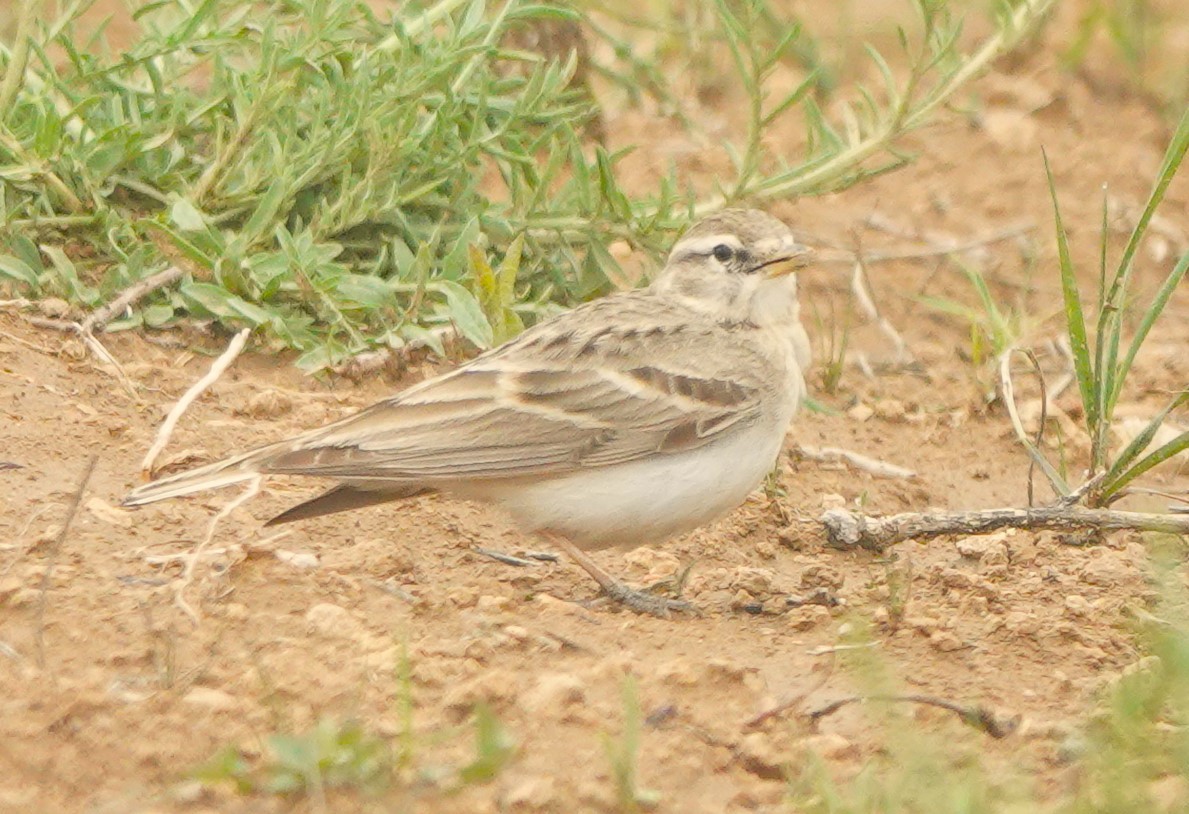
(861, 289)
(937, 248)
(197, 389)
(846, 529)
(191, 559)
(881, 469)
(979, 717)
(98, 318)
(52, 557)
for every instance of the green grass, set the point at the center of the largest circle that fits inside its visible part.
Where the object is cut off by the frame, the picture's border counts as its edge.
(346, 755)
(1103, 355)
(994, 328)
(623, 754)
(1138, 32)
(1130, 753)
(338, 181)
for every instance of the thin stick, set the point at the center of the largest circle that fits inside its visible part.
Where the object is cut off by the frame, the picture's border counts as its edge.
(881, 469)
(179, 585)
(829, 650)
(373, 360)
(845, 529)
(937, 250)
(94, 345)
(197, 389)
(98, 318)
(861, 289)
(506, 559)
(52, 558)
(979, 717)
(1008, 395)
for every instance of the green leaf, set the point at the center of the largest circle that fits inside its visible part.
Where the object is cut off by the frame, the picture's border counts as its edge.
(16, 269)
(68, 275)
(157, 315)
(509, 269)
(423, 336)
(1149, 318)
(363, 291)
(1119, 474)
(1173, 157)
(482, 277)
(186, 216)
(221, 303)
(1075, 323)
(466, 313)
(264, 216)
(1113, 375)
(494, 747)
(454, 265)
(1174, 447)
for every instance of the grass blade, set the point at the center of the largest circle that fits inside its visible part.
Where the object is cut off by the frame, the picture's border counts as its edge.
(1154, 310)
(1113, 311)
(1142, 440)
(1173, 447)
(1075, 322)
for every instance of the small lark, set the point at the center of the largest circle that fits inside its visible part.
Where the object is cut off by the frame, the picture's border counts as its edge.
(623, 422)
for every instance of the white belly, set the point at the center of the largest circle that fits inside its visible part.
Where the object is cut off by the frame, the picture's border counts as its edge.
(649, 500)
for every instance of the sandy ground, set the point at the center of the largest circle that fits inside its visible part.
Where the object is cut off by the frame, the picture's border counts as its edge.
(113, 694)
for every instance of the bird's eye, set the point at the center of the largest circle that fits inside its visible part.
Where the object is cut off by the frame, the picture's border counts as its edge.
(722, 252)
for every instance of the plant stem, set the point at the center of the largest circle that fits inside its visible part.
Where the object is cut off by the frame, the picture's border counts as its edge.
(846, 529)
(19, 57)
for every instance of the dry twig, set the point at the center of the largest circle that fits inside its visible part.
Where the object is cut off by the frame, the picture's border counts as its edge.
(370, 361)
(506, 559)
(99, 318)
(937, 248)
(861, 289)
(979, 717)
(846, 529)
(191, 559)
(881, 469)
(52, 557)
(197, 389)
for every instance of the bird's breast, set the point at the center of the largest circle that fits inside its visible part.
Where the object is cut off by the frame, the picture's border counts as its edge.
(648, 500)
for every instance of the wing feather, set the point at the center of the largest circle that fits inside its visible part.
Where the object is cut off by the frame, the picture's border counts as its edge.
(492, 423)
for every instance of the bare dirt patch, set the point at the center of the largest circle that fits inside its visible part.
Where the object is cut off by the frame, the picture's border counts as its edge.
(111, 694)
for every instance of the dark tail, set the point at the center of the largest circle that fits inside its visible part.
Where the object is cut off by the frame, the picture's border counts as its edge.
(345, 497)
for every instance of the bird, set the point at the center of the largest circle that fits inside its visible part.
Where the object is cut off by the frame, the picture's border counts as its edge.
(625, 421)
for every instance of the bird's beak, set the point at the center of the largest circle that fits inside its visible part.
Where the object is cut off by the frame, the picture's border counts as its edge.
(788, 263)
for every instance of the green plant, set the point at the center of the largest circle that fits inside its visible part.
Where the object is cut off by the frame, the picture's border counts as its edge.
(331, 755)
(1139, 740)
(337, 181)
(993, 329)
(623, 753)
(1103, 359)
(494, 747)
(835, 333)
(1139, 31)
(344, 755)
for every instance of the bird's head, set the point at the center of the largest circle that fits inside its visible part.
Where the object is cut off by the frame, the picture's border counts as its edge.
(738, 263)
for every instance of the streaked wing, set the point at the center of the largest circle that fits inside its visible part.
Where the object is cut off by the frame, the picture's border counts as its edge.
(494, 420)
